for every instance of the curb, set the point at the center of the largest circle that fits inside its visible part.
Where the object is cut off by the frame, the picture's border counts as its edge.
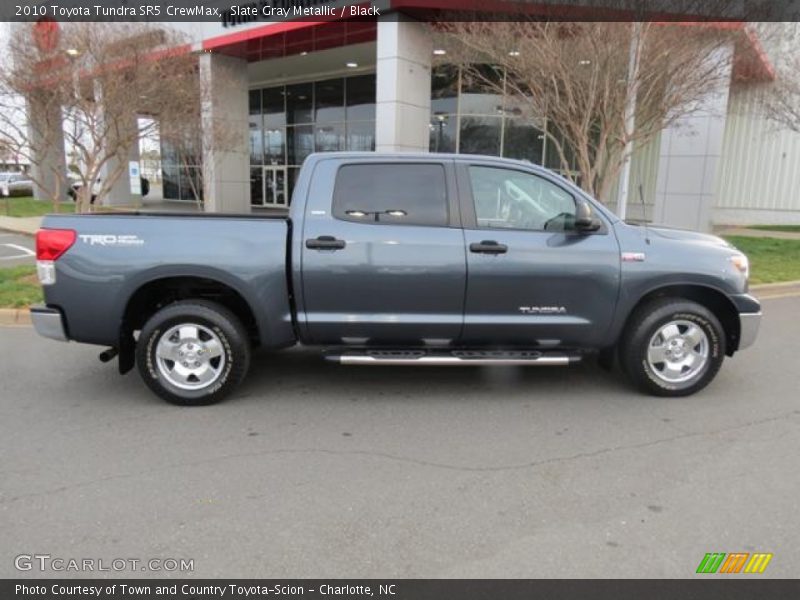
(17, 231)
(775, 286)
(15, 316)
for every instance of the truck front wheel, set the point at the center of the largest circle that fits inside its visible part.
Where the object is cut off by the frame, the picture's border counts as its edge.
(672, 347)
(193, 352)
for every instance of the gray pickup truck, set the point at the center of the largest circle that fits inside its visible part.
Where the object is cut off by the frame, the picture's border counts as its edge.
(413, 259)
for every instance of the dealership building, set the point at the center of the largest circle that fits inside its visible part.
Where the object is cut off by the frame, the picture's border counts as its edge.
(294, 87)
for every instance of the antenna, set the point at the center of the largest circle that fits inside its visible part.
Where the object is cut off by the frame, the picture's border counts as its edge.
(641, 201)
(644, 214)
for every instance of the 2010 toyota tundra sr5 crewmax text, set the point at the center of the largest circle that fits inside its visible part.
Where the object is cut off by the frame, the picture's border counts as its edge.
(413, 259)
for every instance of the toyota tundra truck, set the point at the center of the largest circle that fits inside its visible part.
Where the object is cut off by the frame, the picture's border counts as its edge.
(410, 260)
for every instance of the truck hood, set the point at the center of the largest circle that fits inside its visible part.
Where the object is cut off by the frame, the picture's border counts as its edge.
(685, 235)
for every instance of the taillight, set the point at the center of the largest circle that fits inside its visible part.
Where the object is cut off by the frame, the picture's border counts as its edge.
(52, 243)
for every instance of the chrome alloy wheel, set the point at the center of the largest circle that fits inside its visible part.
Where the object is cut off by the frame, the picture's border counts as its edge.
(678, 351)
(190, 356)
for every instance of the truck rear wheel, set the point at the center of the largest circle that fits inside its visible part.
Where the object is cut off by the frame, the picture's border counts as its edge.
(193, 352)
(672, 347)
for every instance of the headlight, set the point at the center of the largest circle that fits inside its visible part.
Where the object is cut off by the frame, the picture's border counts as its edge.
(742, 264)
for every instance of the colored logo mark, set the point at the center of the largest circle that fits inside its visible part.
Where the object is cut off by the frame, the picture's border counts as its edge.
(735, 562)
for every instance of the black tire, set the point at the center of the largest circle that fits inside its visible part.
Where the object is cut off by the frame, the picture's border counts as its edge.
(217, 327)
(643, 327)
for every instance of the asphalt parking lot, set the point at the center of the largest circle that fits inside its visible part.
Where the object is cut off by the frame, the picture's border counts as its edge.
(316, 470)
(16, 249)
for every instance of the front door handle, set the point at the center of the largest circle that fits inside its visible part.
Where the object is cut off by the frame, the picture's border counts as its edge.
(488, 247)
(325, 242)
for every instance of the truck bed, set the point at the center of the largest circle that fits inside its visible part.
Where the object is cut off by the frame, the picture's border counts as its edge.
(114, 254)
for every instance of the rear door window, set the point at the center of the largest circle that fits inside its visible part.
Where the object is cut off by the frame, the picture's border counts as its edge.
(392, 194)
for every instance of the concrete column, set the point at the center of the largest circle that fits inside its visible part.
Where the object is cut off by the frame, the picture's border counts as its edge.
(46, 133)
(120, 193)
(403, 96)
(690, 156)
(224, 122)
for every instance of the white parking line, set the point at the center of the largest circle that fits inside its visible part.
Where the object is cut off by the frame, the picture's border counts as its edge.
(26, 252)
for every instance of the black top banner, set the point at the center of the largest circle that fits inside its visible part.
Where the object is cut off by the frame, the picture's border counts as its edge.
(402, 589)
(243, 11)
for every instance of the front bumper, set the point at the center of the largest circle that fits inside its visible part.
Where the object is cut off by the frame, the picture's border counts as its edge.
(49, 323)
(748, 329)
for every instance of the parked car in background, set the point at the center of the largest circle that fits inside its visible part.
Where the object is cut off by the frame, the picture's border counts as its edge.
(76, 184)
(15, 184)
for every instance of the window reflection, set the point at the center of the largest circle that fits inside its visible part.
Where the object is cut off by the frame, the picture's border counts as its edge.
(330, 137)
(482, 91)
(256, 129)
(299, 103)
(257, 186)
(472, 104)
(361, 136)
(361, 98)
(523, 141)
(480, 135)
(287, 123)
(443, 132)
(329, 100)
(300, 143)
(444, 90)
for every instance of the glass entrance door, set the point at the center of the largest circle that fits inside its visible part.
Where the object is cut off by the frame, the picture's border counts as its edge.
(275, 186)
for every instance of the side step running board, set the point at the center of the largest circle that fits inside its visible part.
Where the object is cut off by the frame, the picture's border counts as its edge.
(454, 359)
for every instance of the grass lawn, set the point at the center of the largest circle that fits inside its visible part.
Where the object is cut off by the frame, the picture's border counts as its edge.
(771, 260)
(19, 287)
(25, 206)
(788, 228)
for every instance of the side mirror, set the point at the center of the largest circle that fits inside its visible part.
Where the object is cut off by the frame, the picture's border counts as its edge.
(585, 220)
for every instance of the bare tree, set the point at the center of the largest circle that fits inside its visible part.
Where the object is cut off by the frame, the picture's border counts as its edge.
(780, 99)
(578, 81)
(198, 139)
(87, 91)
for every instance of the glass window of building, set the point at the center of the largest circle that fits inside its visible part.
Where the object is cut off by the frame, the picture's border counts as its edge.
(361, 136)
(443, 133)
(482, 91)
(169, 180)
(444, 89)
(361, 98)
(329, 101)
(286, 123)
(257, 186)
(300, 103)
(523, 141)
(471, 114)
(274, 107)
(480, 135)
(300, 143)
(190, 181)
(329, 137)
(256, 129)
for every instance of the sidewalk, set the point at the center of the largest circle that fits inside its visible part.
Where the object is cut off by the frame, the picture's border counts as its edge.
(24, 225)
(759, 233)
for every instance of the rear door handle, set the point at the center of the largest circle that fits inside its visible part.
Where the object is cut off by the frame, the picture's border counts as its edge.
(325, 242)
(488, 247)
